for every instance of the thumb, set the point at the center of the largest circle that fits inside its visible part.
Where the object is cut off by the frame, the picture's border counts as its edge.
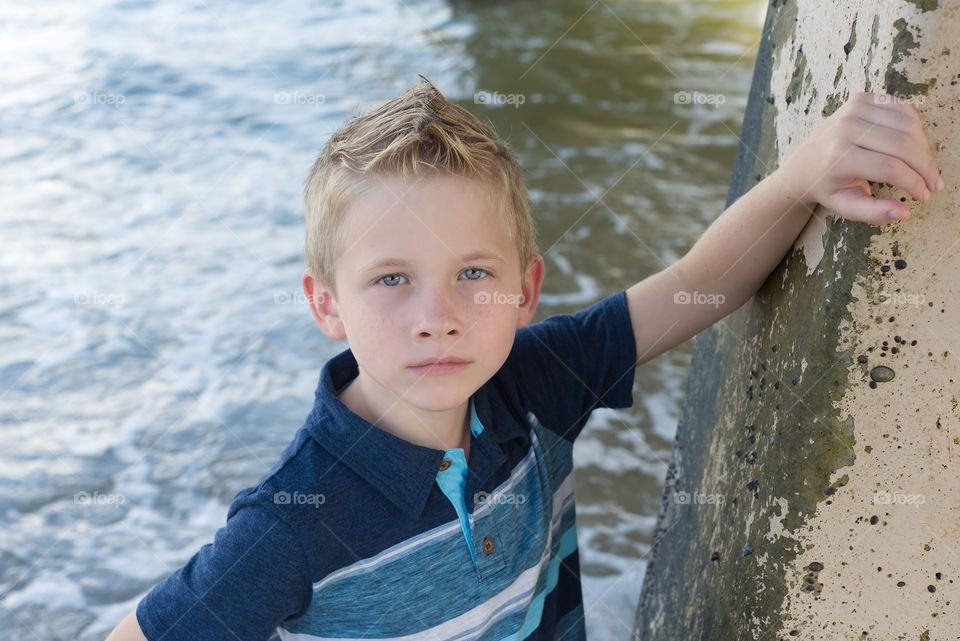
(868, 209)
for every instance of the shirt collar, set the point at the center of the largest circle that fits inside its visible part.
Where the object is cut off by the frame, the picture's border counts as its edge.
(400, 470)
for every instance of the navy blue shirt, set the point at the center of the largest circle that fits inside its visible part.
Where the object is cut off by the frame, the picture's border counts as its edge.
(356, 534)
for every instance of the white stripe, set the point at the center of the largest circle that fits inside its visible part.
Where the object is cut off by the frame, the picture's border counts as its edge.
(472, 624)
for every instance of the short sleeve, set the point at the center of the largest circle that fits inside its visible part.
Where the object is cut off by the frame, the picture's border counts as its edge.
(567, 365)
(242, 586)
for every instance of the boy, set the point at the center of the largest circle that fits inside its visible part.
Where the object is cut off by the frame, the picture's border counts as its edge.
(429, 494)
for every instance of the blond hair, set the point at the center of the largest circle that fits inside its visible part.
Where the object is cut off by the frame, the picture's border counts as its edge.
(415, 134)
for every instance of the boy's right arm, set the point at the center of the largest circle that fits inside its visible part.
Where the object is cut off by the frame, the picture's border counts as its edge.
(128, 629)
(242, 586)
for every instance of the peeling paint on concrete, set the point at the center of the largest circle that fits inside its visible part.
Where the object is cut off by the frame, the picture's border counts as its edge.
(813, 30)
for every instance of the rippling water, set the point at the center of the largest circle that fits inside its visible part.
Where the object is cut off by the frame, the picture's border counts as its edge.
(155, 356)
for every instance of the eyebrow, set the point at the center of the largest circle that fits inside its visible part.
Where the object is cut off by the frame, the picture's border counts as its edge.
(400, 262)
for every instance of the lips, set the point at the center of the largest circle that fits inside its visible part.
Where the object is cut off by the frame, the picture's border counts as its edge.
(440, 361)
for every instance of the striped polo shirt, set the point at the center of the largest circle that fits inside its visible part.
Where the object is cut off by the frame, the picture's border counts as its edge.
(355, 533)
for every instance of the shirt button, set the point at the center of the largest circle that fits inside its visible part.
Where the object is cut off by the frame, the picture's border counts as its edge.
(445, 464)
(487, 545)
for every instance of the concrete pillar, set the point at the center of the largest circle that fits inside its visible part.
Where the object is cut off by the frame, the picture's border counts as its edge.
(811, 496)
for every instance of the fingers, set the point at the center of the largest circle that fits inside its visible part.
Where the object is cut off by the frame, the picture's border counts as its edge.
(892, 126)
(898, 150)
(865, 208)
(883, 168)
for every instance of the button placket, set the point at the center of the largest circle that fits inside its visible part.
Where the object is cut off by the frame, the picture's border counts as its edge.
(486, 541)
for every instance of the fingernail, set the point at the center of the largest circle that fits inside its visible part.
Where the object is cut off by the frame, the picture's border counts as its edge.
(939, 183)
(893, 215)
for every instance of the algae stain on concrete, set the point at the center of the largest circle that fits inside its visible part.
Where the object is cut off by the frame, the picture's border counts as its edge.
(895, 80)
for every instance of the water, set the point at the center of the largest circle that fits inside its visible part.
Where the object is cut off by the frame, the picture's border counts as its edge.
(155, 355)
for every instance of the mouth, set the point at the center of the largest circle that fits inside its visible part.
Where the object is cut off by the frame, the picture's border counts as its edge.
(440, 366)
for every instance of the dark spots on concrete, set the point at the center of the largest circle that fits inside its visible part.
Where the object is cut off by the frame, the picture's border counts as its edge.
(931, 588)
(900, 263)
(862, 359)
(747, 550)
(900, 584)
(873, 385)
(882, 374)
(715, 556)
(753, 486)
(811, 580)
(874, 519)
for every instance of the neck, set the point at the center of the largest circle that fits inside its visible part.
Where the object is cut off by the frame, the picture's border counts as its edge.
(440, 430)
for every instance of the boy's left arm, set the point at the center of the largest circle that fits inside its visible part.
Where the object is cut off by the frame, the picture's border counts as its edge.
(865, 140)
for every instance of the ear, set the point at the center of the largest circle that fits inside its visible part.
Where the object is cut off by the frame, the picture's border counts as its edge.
(530, 288)
(324, 308)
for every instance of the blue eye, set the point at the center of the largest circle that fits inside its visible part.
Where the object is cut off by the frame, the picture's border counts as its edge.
(393, 284)
(475, 269)
(390, 276)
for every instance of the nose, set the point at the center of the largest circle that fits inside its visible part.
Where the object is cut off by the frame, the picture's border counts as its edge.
(436, 312)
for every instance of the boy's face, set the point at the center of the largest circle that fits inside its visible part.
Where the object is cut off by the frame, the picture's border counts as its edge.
(434, 302)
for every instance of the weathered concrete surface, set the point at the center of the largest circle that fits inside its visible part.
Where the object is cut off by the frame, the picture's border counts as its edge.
(840, 501)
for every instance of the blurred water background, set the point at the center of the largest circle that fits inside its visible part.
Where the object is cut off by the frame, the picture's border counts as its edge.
(155, 352)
